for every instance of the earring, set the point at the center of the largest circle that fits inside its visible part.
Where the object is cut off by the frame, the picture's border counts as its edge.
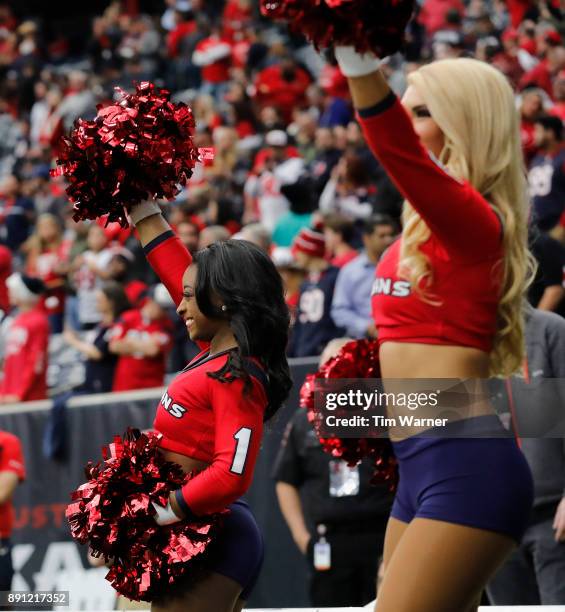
(224, 308)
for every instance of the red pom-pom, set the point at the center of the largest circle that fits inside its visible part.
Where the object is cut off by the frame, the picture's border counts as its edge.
(138, 149)
(112, 512)
(357, 359)
(368, 25)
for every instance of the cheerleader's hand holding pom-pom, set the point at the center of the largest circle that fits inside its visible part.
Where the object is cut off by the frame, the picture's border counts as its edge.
(137, 149)
(355, 64)
(123, 512)
(143, 210)
(165, 515)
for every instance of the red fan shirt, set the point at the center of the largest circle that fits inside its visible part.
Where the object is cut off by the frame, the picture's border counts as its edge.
(139, 371)
(433, 14)
(25, 358)
(465, 284)
(11, 460)
(558, 110)
(273, 90)
(44, 265)
(540, 76)
(175, 38)
(342, 260)
(332, 81)
(237, 15)
(213, 54)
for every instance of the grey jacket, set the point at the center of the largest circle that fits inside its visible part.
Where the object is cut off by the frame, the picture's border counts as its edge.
(545, 347)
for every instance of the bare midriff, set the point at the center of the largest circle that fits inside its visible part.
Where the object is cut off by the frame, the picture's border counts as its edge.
(188, 464)
(405, 361)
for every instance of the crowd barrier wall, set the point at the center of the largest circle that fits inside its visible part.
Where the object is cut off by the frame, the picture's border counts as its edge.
(47, 559)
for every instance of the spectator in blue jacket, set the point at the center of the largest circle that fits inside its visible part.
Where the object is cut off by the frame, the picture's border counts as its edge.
(314, 327)
(351, 305)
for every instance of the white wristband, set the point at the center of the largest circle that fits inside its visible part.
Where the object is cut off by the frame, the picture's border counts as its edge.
(353, 64)
(144, 210)
(165, 515)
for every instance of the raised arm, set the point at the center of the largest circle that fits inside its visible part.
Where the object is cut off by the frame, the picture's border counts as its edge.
(163, 249)
(449, 207)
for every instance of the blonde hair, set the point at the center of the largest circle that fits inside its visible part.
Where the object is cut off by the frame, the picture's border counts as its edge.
(473, 105)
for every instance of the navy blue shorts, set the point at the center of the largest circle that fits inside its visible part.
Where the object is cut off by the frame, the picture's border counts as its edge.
(236, 552)
(238, 549)
(482, 482)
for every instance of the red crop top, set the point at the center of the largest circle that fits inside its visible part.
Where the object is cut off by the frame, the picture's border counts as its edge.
(464, 246)
(215, 422)
(201, 417)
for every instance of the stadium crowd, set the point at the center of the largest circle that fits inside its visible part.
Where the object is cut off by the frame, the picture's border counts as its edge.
(291, 172)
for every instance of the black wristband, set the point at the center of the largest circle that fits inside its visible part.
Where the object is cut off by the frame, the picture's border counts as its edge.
(181, 501)
(379, 108)
(157, 241)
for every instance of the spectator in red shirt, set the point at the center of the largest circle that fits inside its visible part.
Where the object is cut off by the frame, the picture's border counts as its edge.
(543, 74)
(243, 117)
(349, 191)
(237, 15)
(51, 127)
(12, 472)
(213, 55)
(184, 26)
(47, 256)
(507, 60)
(339, 233)
(531, 107)
(282, 85)
(433, 15)
(141, 339)
(90, 269)
(518, 10)
(5, 271)
(274, 167)
(25, 343)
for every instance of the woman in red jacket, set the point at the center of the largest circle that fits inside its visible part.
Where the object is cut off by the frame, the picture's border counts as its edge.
(211, 415)
(447, 303)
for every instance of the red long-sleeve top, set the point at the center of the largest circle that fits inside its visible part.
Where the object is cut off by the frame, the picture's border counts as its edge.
(201, 417)
(11, 460)
(25, 362)
(464, 247)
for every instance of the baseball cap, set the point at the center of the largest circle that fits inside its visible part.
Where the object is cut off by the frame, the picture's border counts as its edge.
(160, 295)
(26, 287)
(276, 138)
(552, 37)
(510, 34)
